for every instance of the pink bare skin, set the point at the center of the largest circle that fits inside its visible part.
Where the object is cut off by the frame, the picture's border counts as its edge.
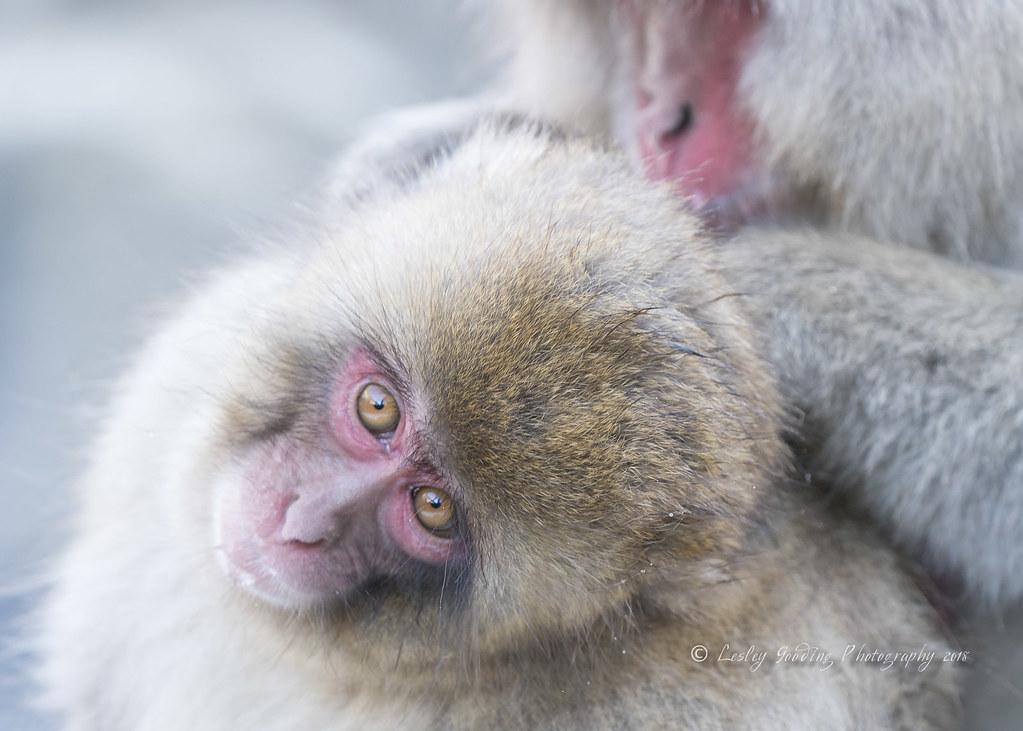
(304, 521)
(688, 125)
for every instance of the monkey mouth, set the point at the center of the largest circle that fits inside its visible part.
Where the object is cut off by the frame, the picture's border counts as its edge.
(270, 559)
(292, 574)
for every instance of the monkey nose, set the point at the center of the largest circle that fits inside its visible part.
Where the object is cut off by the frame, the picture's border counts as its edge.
(311, 520)
(321, 513)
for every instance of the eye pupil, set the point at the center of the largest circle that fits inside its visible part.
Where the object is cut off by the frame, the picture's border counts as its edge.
(378, 409)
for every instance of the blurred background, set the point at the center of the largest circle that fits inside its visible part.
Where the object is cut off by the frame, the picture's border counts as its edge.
(138, 142)
(141, 140)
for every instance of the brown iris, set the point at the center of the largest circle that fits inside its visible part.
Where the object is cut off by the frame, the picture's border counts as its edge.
(378, 409)
(434, 508)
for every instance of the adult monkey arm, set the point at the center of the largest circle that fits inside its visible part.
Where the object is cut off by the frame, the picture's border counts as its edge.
(908, 370)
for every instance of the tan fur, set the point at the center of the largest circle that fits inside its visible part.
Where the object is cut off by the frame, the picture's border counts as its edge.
(614, 436)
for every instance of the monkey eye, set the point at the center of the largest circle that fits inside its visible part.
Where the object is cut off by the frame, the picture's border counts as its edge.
(378, 409)
(434, 508)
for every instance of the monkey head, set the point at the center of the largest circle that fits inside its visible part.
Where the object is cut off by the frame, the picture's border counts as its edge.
(466, 418)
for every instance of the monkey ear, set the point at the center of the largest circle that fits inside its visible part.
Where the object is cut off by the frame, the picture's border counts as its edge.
(396, 148)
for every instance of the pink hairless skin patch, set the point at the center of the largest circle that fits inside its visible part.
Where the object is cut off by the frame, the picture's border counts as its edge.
(688, 124)
(305, 520)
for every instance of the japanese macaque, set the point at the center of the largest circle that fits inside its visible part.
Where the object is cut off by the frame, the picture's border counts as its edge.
(892, 120)
(489, 446)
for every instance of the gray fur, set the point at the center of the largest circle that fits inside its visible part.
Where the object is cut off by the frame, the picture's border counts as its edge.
(904, 115)
(908, 370)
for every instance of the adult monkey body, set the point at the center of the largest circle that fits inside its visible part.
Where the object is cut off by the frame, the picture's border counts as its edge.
(480, 451)
(894, 119)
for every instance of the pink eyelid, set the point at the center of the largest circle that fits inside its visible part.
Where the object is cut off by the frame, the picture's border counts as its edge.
(348, 430)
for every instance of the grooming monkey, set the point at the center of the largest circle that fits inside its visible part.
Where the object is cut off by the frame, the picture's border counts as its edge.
(887, 124)
(486, 448)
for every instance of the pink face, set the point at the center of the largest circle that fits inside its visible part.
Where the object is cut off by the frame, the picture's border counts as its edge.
(688, 124)
(304, 519)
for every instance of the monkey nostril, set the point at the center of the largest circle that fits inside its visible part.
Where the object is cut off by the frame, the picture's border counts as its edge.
(683, 121)
(299, 545)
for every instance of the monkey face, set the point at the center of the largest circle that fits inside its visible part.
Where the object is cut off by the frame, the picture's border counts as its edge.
(467, 421)
(694, 113)
(312, 516)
